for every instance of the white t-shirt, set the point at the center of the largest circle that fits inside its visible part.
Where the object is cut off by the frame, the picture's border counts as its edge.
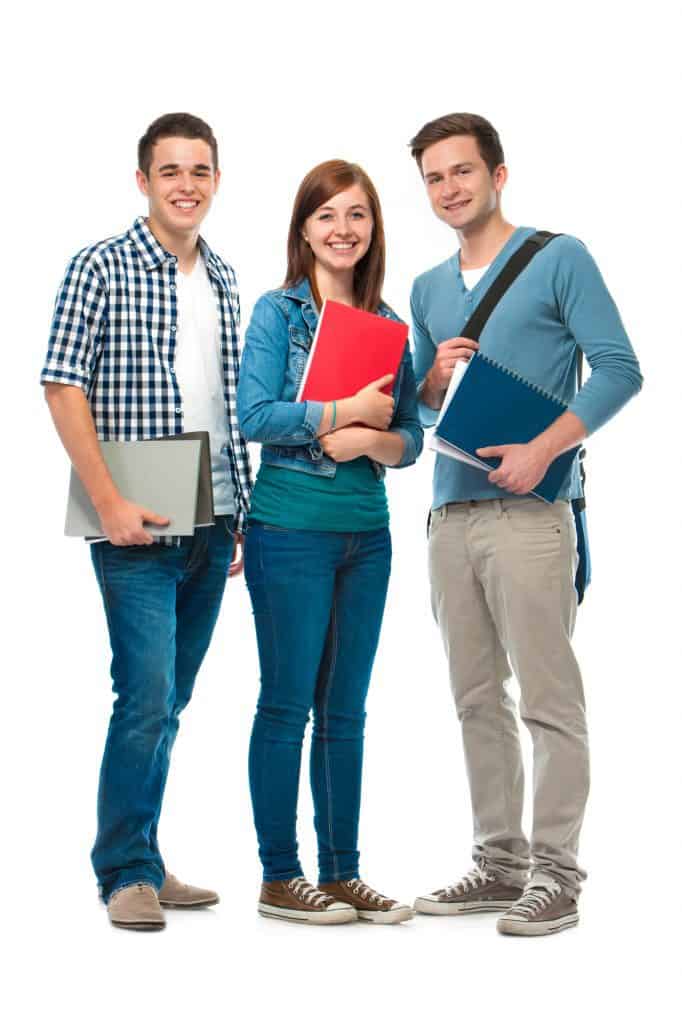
(199, 373)
(472, 277)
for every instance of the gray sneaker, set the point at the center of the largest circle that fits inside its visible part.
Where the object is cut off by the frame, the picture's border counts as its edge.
(542, 910)
(479, 891)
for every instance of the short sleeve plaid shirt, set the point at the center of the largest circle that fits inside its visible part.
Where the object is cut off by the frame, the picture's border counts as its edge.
(113, 334)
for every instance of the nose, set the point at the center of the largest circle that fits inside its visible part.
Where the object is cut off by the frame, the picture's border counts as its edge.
(450, 188)
(186, 184)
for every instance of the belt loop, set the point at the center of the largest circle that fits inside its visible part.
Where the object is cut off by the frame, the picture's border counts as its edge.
(500, 507)
(444, 512)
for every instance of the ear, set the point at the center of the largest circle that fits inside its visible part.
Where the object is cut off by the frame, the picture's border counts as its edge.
(217, 179)
(500, 177)
(142, 182)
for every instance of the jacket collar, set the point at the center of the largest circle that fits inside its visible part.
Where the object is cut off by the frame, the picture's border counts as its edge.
(301, 292)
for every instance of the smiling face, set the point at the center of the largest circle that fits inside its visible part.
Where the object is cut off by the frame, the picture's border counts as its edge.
(461, 189)
(340, 231)
(180, 186)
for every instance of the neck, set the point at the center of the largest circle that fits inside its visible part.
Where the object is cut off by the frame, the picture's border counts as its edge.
(481, 242)
(185, 246)
(337, 286)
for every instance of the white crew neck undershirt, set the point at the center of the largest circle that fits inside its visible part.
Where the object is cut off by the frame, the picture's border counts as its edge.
(472, 277)
(199, 373)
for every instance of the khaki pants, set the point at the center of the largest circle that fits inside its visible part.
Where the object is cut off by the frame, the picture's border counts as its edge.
(502, 576)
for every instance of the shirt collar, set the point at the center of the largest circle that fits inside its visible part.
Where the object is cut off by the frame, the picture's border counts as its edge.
(153, 253)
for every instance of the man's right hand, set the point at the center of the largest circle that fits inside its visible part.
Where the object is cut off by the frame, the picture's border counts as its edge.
(123, 522)
(448, 354)
(372, 407)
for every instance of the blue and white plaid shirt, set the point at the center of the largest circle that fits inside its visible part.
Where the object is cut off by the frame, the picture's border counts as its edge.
(113, 334)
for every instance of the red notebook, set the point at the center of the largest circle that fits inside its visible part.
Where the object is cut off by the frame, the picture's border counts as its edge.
(351, 348)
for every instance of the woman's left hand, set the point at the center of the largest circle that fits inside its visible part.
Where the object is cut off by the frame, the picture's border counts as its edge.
(347, 443)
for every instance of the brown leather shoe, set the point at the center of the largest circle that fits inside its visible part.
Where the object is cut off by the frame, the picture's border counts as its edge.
(370, 904)
(541, 910)
(174, 893)
(479, 891)
(298, 900)
(136, 906)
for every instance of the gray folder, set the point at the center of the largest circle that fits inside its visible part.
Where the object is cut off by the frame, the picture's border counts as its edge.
(162, 477)
(205, 514)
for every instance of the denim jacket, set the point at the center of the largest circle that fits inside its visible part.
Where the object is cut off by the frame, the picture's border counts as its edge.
(276, 350)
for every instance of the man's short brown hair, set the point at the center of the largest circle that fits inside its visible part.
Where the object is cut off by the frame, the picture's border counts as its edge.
(489, 145)
(182, 126)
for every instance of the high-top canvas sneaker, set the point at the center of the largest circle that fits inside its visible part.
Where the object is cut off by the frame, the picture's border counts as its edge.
(298, 900)
(541, 910)
(479, 891)
(370, 904)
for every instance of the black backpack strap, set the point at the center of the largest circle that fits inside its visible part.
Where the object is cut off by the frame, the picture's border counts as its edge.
(504, 280)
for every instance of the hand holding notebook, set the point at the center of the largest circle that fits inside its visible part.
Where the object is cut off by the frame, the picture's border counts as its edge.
(490, 405)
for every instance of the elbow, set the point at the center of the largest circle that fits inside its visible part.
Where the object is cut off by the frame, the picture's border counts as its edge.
(253, 424)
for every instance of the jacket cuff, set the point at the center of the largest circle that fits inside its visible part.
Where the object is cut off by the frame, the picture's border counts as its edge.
(314, 411)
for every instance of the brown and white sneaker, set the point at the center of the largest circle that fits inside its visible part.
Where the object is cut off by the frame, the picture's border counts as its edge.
(541, 910)
(369, 904)
(298, 900)
(174, 893)
(480, 891)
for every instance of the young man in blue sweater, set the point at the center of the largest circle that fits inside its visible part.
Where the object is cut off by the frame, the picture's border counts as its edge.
(502, 562)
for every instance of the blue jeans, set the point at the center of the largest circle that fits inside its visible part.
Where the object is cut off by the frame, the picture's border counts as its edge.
(318, 600)
(161, 604)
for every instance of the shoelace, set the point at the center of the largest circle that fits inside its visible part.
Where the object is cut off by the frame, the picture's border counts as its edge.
(535, 899)
(478, 876)
(307, 893)
(366, 892)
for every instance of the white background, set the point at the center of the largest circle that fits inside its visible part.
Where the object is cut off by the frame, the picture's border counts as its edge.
(583, 96)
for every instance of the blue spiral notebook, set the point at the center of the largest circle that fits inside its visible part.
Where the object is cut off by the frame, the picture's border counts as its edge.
(488, 404)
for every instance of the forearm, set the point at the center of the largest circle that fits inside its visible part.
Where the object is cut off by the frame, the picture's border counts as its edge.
(72, 418)
(429, 394)
(385, 446)
(566, 432)
(346, 415)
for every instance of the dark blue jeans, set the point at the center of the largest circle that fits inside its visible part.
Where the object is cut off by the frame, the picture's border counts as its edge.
(318, 600)
(161, 604)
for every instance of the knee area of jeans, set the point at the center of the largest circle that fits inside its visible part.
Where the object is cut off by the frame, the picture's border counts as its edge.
(339, 727)
(281, 718)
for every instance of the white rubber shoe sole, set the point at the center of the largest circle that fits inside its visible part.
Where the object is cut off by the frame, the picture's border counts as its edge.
(508, 926)
(340, 913)
(393, 916)
(424, 905)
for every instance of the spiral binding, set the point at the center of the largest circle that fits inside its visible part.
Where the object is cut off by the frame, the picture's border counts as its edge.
(517, 376)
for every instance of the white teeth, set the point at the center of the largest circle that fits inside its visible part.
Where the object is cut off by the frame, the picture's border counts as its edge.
(185, 205)
(341, 245)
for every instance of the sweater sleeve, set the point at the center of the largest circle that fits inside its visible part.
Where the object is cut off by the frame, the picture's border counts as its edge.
(590, 314)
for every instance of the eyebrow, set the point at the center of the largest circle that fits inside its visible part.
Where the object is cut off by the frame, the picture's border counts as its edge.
(453, 167)
(174, 167)
(355, 206)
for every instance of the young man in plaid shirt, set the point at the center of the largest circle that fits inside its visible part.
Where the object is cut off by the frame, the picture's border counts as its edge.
(144, 344)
